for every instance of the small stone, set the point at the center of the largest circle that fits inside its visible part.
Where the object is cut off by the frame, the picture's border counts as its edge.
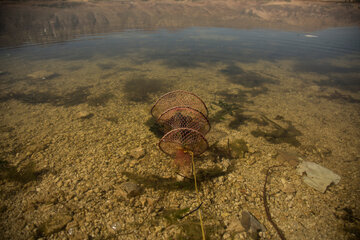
(55, 224)
(138, 153)
(289, 158)
(130, 189)
(59, 184)
(251, 224)
(42, 74)
(288, 188)
(116, 226)
(235, 226)
(84, 115)
(226, 236)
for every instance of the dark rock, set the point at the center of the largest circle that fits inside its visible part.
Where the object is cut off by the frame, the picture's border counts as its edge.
(129, 189)
(289, 158)
(251, 224)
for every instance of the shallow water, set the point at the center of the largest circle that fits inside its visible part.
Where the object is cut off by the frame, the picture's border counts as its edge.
(73, 111)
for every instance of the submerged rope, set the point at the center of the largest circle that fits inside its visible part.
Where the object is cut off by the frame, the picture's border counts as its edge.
(197, 194)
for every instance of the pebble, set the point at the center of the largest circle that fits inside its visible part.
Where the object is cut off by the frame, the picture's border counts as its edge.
(55, 224)
(138, 153)
(235, 226)
(288, 188)
(42, 74)
(84, 115)
(130, 189)
(289, 158)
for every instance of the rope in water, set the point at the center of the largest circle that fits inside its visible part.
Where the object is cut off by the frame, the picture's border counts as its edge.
(197, 194)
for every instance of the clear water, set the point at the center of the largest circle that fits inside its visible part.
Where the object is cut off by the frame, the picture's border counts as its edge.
(75, 109)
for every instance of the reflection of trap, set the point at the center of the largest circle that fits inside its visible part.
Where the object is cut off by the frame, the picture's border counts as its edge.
(183, 117)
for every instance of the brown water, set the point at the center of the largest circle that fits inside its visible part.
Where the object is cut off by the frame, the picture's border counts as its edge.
(73, 111)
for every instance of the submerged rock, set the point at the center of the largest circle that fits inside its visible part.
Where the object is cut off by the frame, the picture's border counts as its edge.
(251, 224)
(138, 153)
(55, 224)
(129, 189)
(42, 74)
(84, 115)
(289, 158)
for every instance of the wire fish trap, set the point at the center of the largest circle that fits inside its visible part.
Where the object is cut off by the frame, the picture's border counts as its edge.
(178, 98)
(183, 117)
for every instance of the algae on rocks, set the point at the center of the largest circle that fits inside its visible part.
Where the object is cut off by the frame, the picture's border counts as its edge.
(238, 148)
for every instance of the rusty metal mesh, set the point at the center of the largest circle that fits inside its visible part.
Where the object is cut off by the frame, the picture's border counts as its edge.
(178, 98)
(183, 117)
(183, 139)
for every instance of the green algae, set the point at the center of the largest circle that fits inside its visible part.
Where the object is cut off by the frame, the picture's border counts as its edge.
(238, 148)
(279, 134)
(139, 88)
(237, 75)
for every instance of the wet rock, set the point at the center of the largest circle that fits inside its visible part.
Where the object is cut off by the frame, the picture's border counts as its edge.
(138, 153)
(289, 158)
(288, 188)
(235, 226)
(84, 115)
(54, 224)
(129, 189)
(251, 224)
(317, 176)
(42, 74)
(238, 148)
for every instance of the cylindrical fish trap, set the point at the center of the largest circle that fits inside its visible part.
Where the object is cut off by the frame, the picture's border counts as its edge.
(183, 117)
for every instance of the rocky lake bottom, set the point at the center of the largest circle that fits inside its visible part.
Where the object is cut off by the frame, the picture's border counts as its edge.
(79, 154)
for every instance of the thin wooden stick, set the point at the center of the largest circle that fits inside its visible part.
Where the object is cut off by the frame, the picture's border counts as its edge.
(266, 206)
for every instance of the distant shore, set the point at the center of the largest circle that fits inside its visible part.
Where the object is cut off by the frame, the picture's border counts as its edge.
(42, 21)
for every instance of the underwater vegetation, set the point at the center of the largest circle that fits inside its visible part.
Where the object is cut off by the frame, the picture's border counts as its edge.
(341, 97)
(24, 175)
(349, 82)
(319, 67)
(76, 97)
(236, 111)
(106, 66)
(171, 184)
(190, 226)
(277, 134)
(238, 148)
(345, 78)
(139, 88)
(79, 96)
(233, 104)
(100, 100)
(237, 75)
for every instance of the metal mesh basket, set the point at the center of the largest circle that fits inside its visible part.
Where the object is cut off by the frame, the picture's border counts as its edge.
(178, 98)
(184, 117)
(183, 139)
